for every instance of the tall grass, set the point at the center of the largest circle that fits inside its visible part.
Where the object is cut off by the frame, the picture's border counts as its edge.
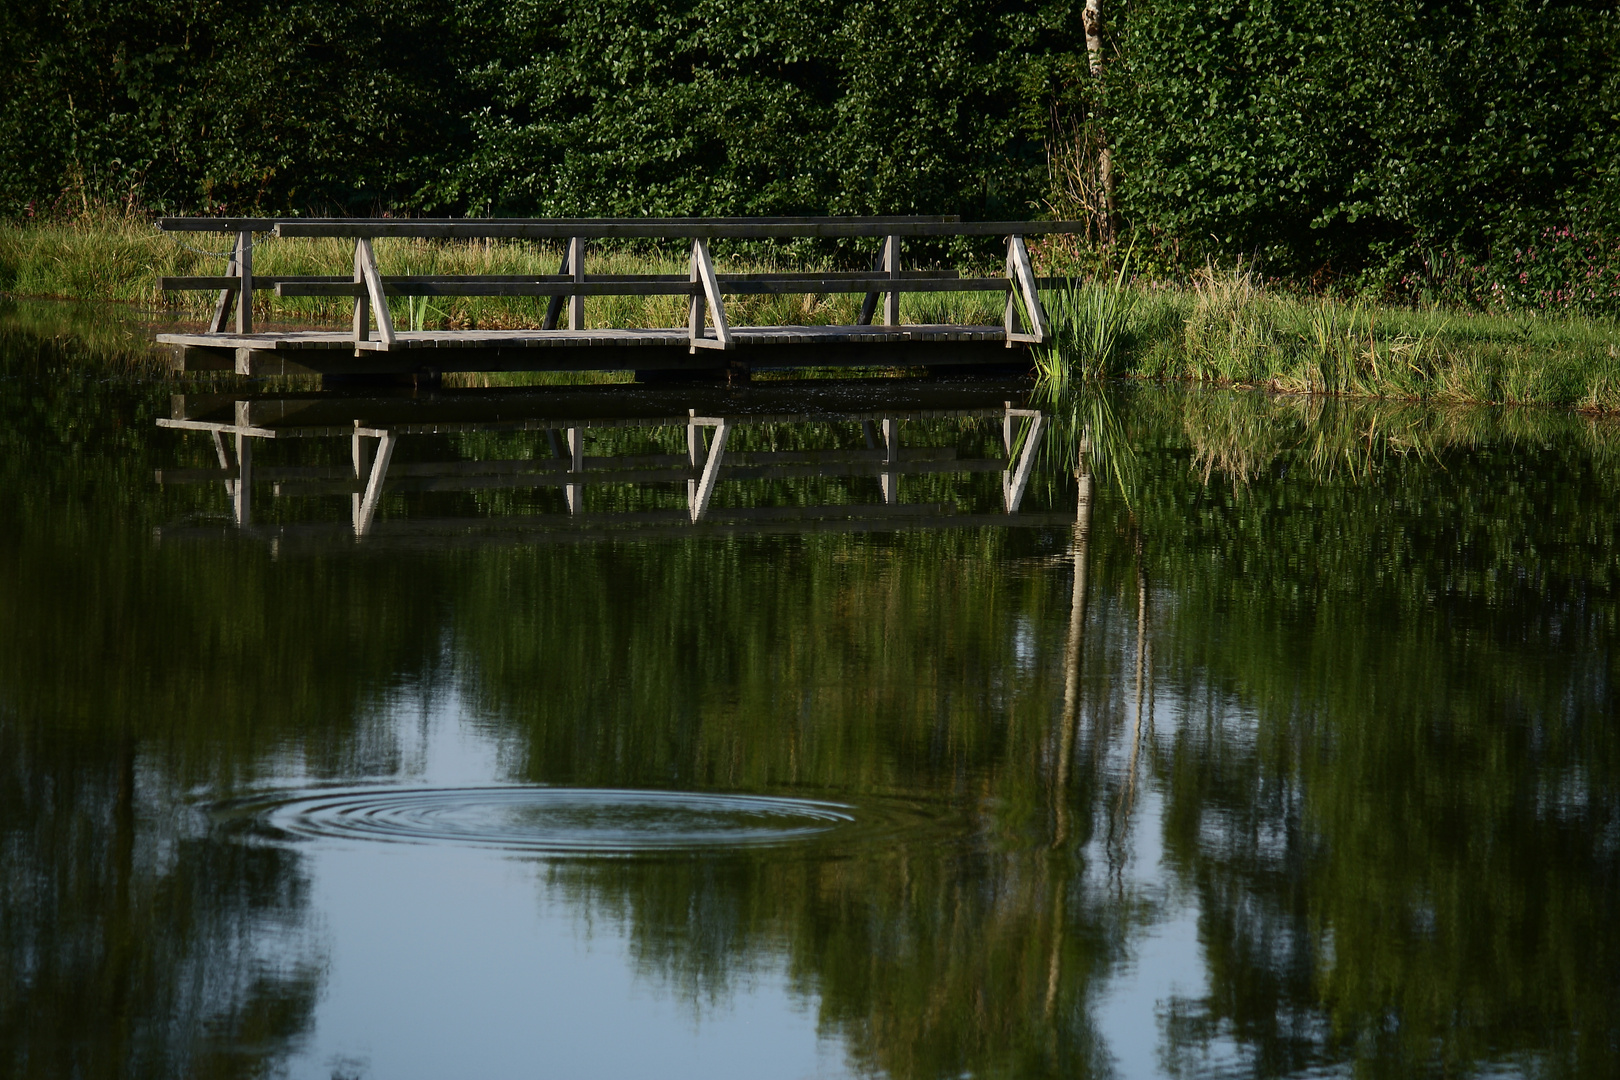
(1227, 328)
(1224, 327)
(110, 256)
(1088, 323)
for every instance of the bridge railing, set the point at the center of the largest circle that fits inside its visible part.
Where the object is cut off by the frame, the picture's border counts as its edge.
(1024, 319)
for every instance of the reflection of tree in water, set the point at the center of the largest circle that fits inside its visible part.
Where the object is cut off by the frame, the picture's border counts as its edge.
(131, 946)
(930, 957)
(1392, 790)
(134, 942)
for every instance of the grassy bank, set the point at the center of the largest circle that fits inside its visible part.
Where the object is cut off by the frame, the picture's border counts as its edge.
(1226, 328)
(1223, 327)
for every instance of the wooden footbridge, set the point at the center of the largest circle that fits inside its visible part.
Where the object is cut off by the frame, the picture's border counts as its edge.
(646, 497)
(707, 344)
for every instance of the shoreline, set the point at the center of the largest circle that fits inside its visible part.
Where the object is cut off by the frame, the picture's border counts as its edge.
(1223, 328)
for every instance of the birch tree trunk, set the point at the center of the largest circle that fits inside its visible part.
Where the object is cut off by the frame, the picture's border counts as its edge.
(1093, 21)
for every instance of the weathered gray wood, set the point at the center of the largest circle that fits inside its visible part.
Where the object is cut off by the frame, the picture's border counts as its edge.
(734, 285)
(695, 315)
(1024, 274)
(374, 292)
(1012, 323)
(654, 228)
(576, 301)
(891, 267)
(244, 288)
(703, 268)
(362, 301)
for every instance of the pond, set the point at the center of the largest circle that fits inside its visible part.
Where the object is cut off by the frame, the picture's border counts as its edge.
(1242, 735)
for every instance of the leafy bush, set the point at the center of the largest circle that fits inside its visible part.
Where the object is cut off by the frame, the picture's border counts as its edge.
(1334, 142)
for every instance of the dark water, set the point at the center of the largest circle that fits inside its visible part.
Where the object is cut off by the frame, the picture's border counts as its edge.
(1315, 772)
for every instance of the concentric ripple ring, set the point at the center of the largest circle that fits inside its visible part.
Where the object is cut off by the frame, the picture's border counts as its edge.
(550, 820)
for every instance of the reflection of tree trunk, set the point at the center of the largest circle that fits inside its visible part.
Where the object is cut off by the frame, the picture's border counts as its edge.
(1141, 669)
(1105, 159)
(1058, 893)
(1072, 653)
(1054, 963)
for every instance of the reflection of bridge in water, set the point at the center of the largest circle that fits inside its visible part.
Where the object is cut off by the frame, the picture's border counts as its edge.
(565, 420)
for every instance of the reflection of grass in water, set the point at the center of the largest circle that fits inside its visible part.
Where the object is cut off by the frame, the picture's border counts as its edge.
(1240, 436)
(114, 338)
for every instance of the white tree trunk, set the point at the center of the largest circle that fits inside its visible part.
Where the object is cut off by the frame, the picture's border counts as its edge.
(1105, 159)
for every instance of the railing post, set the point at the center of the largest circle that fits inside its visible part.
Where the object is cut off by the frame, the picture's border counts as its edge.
(576, 265)
(362, 302)
(244, 289)
(366, 267)
(891, 266)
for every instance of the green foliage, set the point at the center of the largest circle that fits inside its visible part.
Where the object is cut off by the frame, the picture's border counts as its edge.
(537, 107)
(204, 105)
(1328, 140)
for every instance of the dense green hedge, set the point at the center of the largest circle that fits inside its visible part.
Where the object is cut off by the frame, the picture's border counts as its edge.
(1324, 138)
(546, 106)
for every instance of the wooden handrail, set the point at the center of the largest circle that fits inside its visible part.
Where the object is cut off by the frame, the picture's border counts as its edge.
(593, 285)
(758, 228)
(201, 223)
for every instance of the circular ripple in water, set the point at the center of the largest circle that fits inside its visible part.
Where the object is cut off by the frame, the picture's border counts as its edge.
(552, 820)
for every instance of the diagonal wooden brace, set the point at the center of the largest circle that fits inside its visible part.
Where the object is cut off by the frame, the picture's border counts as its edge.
(365, 272)
(1021, 275)
(703, 271)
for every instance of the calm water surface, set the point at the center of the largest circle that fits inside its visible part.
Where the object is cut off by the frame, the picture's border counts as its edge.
(1294, 754)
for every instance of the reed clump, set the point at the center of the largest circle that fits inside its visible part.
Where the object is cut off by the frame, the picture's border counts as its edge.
(1227, 328)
